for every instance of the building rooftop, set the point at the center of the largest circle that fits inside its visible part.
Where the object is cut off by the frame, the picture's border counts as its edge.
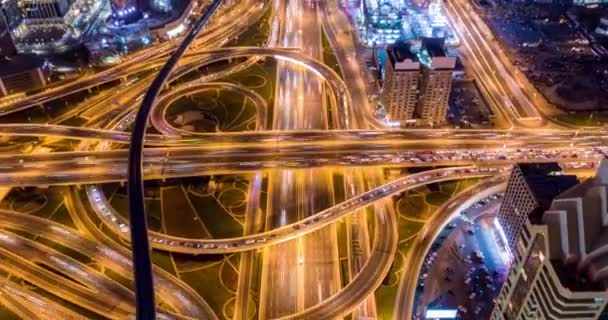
(19, 63)
(432, 54)
(401, 56)
(434, 46)
(577, 222)
(546, 182)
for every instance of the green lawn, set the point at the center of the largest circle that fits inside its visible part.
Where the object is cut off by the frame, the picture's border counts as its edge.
(386, 293)
(250, 78)
(413, 206)
(220, 223)
(408, 228)
(584, 119)
(179, 217)
(120, 202)
(216, 284)
(256, 35)
(437, 198)
(221, 110)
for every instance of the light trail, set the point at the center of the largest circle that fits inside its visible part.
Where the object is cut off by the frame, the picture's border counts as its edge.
(119, 225)
(563, 137)
(184, 302)
(186, 153)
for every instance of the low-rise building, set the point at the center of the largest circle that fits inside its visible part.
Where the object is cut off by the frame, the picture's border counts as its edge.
(22, 74)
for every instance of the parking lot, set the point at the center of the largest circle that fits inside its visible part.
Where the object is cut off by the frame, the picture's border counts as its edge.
(465, 268)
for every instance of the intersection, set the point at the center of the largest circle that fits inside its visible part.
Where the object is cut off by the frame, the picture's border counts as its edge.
(321, 124)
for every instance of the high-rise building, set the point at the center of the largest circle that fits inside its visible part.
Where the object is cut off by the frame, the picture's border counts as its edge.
(530, 190)
(7, 47)
(436, 83)
(44, 9)
(402, 74)
(560, 267)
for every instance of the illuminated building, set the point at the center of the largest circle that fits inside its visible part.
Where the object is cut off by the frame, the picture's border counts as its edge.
(530, 190)
(602, 28)
(428, 21)
(381, 21)
(49, 26)
(560, 263)
(420, 4)
(161, 5)
(402, 74)
(436, 83)
(588, 2)
(38, 23)
(417, 81)
(126, 10)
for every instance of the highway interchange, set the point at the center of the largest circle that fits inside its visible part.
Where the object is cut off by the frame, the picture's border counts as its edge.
(297, 151)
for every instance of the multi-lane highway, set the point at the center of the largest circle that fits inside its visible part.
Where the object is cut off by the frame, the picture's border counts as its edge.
(301, 276)
(63, 168)
(369, 276)
(402, 136)
(182, 300)
(506, 96)
(300, 273)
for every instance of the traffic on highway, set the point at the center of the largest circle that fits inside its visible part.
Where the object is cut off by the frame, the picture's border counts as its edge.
(319, 226)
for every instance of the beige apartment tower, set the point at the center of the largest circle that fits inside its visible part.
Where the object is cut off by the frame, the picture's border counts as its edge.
(436, 83)
(401, 78)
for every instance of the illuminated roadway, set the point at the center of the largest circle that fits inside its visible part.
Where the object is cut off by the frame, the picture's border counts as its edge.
(504, 92)
(362, 284)
(531, 101)
(237, 19)
(402, 136)
(293, 230)
(184, 301)
(105, 166)
(300, 149)
(30, 305)
(301, 273)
